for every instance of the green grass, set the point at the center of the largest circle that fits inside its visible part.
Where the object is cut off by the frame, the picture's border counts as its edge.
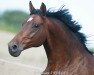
(9, 28)
(11, 21)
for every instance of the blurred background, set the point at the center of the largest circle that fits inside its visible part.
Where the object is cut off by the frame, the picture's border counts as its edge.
(33, 61)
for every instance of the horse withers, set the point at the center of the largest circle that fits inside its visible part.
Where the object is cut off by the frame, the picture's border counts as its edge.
(64, 45)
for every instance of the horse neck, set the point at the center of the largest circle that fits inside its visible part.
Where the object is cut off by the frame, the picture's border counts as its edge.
(62, 46)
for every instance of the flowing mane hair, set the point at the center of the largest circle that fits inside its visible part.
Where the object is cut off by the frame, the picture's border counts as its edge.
(64, 16)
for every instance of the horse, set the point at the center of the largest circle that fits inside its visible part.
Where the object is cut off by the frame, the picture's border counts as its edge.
(64, 45)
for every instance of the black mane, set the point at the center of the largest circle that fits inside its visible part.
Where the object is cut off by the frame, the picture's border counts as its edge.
(64, 16)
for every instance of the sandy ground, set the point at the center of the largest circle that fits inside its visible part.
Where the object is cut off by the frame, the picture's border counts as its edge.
(31, 62)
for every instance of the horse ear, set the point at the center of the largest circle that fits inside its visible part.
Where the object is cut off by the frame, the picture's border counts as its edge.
(31, 8)
(43, 9)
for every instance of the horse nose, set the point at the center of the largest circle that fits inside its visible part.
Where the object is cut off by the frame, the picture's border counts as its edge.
(13, 47)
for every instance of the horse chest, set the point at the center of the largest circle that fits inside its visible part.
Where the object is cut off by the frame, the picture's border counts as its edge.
(74, 69)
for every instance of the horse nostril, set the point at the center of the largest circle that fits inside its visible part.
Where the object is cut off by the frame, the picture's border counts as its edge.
(14, 47)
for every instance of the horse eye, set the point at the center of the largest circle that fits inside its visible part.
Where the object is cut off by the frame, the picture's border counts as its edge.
(36, 26)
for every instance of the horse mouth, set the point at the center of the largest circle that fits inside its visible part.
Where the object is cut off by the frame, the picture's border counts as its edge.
(15, 54)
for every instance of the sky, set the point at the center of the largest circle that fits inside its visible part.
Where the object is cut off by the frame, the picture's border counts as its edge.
(81, 10)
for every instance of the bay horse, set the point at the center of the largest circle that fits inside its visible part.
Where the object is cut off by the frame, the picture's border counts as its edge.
(65, 46)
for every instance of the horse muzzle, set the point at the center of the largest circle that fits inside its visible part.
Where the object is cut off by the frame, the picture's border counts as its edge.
(14, 49)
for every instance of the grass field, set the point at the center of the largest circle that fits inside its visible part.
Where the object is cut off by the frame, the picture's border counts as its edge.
(9, 28)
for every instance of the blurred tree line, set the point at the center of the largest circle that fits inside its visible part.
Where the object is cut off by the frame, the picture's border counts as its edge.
(11, 20)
